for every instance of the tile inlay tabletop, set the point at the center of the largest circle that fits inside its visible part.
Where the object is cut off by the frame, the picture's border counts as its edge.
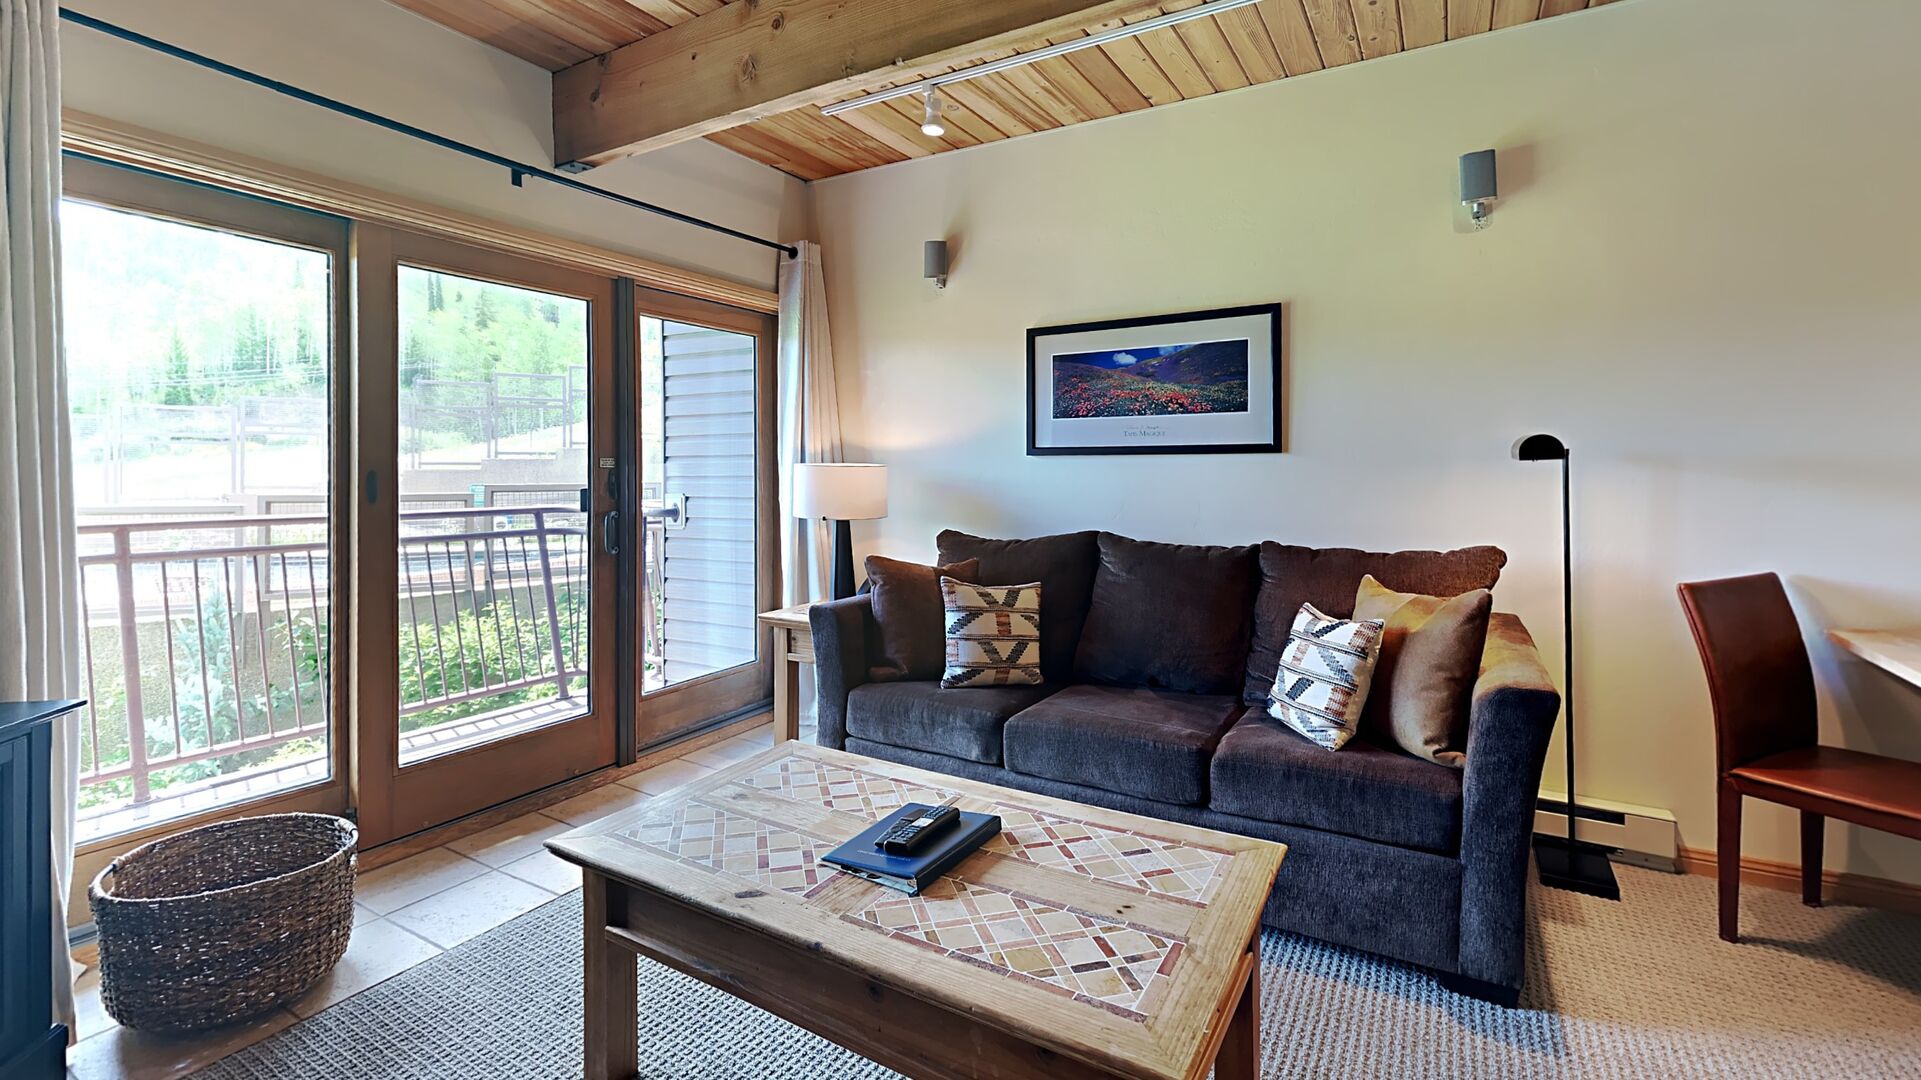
(1105, 943)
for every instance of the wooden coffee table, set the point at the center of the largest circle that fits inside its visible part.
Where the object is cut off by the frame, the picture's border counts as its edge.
(1079, 943)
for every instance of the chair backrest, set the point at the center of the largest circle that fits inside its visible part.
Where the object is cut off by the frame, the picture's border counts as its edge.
(1759, 677)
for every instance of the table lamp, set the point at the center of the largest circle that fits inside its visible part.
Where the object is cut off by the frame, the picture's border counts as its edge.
(841, 492)
(1567, 864)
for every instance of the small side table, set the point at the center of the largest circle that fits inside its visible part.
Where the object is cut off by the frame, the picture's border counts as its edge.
(793, 646)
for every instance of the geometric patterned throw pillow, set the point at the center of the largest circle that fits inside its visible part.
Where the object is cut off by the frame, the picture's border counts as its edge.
(993, 634)
(1325, 670)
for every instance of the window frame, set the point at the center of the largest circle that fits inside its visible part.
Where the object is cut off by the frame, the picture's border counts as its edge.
(129, 189)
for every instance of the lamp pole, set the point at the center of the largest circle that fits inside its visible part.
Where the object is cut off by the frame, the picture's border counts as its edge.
(1568, 864)
(1567, 636)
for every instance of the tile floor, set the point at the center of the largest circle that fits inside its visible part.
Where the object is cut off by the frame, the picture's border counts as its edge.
(406, 912)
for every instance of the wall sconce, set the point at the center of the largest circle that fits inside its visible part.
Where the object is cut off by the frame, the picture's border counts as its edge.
(1478, 187)
(933, 262)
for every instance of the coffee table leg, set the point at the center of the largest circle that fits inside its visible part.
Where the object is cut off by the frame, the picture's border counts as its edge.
(1240, 1055)
(610, 1040)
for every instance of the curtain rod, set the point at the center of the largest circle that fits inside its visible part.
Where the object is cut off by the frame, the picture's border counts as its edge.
(518, 170)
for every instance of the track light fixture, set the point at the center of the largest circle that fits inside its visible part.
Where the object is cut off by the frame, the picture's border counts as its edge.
(1094, 39)
(930, 124)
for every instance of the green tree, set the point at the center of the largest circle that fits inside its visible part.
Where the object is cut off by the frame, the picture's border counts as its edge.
(309, 365)
(179, 377)
(413, 360)
(251, 358)
(484, 314)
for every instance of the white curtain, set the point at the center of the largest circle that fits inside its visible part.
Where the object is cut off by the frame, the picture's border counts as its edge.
(39, 579)
(809, 420)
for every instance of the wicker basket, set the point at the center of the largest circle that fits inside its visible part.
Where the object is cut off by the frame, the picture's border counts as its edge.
(224, 922)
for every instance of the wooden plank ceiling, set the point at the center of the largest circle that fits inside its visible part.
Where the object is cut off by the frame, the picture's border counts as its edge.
(1260, 43)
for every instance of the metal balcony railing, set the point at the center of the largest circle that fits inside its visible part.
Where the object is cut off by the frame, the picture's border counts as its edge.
(207, 643)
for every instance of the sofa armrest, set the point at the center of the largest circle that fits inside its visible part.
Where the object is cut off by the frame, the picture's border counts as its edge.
(840, 661)
(1513, 716)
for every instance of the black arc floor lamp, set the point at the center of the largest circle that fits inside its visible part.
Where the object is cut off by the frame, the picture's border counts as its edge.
(1567, 863)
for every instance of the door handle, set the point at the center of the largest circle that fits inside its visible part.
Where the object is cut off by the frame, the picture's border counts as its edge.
(610, 533)
(672, 515)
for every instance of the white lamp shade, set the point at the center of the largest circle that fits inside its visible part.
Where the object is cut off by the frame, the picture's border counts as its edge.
(840, 492)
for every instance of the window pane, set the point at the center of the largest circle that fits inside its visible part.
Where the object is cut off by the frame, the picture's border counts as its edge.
(697, 486)
(198, 366)
(493, 629)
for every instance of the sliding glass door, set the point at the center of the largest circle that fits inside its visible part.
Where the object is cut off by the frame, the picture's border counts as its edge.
(351, 507)
(488, 632)
(708, 566)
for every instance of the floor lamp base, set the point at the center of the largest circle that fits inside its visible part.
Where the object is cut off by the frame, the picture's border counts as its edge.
(1581, 868)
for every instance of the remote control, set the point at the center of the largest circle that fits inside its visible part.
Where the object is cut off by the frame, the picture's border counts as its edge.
(916, 829)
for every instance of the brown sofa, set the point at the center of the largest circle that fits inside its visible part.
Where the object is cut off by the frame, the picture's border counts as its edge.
(1158, 659)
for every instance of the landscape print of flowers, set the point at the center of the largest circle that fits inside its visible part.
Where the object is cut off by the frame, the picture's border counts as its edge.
(1163, 380)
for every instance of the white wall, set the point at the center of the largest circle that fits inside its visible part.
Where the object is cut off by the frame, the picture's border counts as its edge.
(388, 60)
(1704, 275)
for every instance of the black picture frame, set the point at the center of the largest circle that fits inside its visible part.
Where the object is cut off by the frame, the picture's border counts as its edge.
(1275, 444)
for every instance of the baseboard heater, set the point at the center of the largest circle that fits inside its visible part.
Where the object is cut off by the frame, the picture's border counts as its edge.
(1636, 835)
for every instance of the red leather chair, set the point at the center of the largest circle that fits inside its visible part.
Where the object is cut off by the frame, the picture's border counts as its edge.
(1764, 734)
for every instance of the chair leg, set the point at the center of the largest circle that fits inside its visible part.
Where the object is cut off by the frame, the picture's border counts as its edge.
(1728, 851)
(1813, 826)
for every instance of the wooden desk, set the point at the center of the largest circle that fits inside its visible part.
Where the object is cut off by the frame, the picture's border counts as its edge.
(1081, 943)
(1898, 652)
(793, 646)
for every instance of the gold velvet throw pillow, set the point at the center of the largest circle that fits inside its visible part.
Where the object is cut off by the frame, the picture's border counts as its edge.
(1430, 656)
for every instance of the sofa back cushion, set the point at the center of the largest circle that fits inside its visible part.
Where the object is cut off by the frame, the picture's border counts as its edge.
(1169, 616)
(1329, 577)
(1064, 567)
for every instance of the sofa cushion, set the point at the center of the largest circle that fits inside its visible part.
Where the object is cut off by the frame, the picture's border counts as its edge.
(1169, 616)
(1063, 565)
(1328, 578)
(1264, 771)
(907, 616)
(923, 716)
(1150, 743)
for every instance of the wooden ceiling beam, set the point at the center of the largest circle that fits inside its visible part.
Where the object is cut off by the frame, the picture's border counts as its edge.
(750, 59)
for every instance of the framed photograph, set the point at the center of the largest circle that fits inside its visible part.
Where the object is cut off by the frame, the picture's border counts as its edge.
(1201, 382)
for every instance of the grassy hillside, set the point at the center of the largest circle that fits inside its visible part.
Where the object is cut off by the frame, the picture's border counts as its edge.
(1211, 363)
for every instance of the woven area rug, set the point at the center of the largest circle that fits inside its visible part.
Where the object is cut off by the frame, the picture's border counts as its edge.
(1642, 988)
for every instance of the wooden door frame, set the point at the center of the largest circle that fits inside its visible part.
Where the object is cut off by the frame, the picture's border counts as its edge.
(363, 437)
(684, 707)
(123, 187)
(445, 788)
